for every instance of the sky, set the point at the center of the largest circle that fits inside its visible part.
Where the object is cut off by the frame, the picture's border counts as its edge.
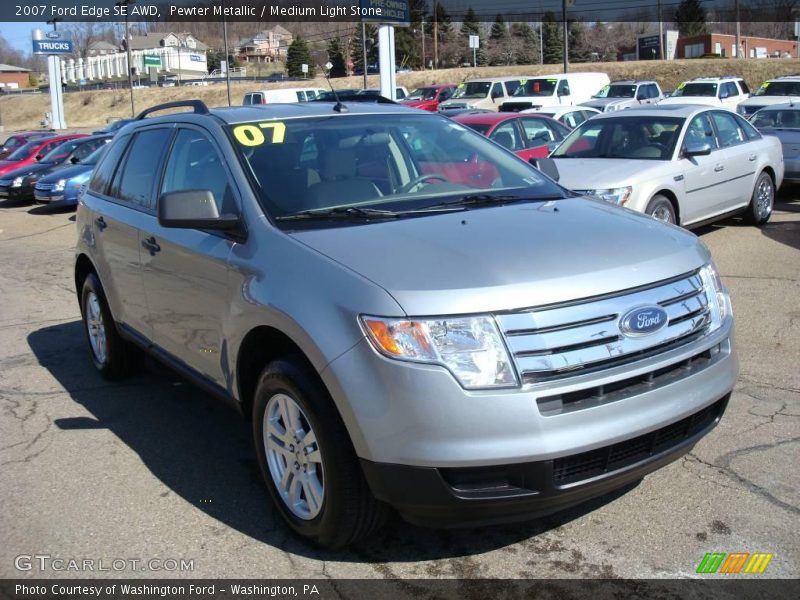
(19, 34)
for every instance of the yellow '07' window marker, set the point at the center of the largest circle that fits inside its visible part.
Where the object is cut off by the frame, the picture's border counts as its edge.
(253, 135)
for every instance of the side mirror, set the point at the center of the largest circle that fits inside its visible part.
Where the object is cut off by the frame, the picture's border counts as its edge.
(193, 209)
(546, 166)
(38, 157)
(74, 160)
(697, 149)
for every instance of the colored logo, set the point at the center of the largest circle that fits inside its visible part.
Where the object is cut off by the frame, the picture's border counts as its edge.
(644, 320)
(735, 562)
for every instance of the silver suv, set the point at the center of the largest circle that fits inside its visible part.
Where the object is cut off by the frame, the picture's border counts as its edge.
(411, 316)
(619, 95)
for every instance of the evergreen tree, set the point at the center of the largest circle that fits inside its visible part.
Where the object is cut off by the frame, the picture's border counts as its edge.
(408, 40)
(578, 51)
(552, 39)
(297, 55)
(499, 31)
(470, 25)
(690, 17)
(356, 50)
(336, 58)
(526, 41)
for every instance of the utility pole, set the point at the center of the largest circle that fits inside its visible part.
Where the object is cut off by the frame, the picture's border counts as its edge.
(661, 33)
(541, 43)
(424, 68)
(435, 36)
(227, 56)
(738, 31)
(126, 4)
(566, 34)
(364, 51)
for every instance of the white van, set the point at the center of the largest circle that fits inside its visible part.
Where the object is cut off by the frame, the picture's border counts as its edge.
(555, 90)
(487, 93)
(281, 96)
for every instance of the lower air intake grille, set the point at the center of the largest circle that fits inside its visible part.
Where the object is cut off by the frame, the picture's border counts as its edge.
(580, 467)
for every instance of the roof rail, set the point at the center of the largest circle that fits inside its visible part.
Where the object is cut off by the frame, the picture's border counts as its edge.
(199, 107)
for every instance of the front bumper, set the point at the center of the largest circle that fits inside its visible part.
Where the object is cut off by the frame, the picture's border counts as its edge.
(460, 497)
(47, 196)
(16, 193)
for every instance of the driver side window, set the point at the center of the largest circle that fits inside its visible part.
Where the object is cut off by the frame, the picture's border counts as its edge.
(700, 132)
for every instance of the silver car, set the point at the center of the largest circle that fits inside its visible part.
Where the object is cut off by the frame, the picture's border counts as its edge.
(411, 316)
(783, 122)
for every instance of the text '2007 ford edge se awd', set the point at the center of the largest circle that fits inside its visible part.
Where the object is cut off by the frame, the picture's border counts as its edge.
(412, 316)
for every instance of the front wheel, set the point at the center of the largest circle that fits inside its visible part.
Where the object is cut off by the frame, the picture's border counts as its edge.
(760, 209)
(661, 209)
(307, 460)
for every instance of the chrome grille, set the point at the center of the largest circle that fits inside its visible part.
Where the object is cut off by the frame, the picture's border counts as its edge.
(43, 187)
(567, 339)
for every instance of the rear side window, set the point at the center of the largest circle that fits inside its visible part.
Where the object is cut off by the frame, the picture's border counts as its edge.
(728, 130)
(743, 85)
(104, 171)
(511, 87)
(135, 181)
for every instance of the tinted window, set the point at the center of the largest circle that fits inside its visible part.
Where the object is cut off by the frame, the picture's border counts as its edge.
(743, 85)
(23, 152)
(563, 88)
(84, 150)
(511, 86)
(728, 130)
(771, 119)
(141, 167)
(497, 90)
(104, 171)
(700, 132)
(729, 90)
(195, 164)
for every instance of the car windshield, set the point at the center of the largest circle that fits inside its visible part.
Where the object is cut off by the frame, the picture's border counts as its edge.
(617, 90)
(60, 152)
(777, 119)
(422, 94)
(779, 88)
(94, 156)
(24, 151)
(473, 89)
(696, 89)
(643, 138)
(536, 87)
(379, 163)
(13, 142)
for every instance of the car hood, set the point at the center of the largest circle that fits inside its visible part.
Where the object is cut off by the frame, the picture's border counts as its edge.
(66, 173)
(601, 103)
(418, 103)
(6, 166)
(510, 257)
(25, 170)
(605, 172)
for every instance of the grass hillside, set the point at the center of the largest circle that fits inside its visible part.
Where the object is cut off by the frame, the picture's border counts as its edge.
(93, 108)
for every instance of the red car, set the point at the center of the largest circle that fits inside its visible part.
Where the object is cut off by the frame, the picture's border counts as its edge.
(13, 142)
(429, 96)
(528, 136)
(29, 153)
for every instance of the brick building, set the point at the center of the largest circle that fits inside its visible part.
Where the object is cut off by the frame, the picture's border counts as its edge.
(725, 46)
(13, 77)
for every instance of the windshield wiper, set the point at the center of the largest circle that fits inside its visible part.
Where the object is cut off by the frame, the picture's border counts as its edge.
(489, 199)
(340, 212)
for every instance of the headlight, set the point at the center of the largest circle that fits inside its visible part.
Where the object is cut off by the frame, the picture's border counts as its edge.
(611, 107)
(470, 347)
(618, 196)
(717, 295)
(60, 185)
(17, 182)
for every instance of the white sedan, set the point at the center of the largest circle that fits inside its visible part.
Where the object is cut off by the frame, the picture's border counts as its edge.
(571, 116)
(682, 164)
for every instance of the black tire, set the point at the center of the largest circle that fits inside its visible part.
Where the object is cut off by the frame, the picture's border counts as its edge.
(348, 510)
(760, 208)
(661, 209)
(121, 358)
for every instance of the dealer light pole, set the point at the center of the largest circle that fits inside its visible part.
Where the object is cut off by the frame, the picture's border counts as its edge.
(227, 62)
(126, 4)
(566, 31)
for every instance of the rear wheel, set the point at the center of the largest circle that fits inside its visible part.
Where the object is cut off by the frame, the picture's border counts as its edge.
(307, 460)
(661, 209)
(112, 356)
(760, 209)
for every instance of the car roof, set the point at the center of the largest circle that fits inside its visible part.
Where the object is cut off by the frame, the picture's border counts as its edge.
(493, 118)
(246, 114)
(660, 110)
(496, 79)
(781, 106)
(632, 81)
(714, 79)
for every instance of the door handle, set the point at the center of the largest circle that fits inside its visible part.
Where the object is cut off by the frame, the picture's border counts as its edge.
(101, 223)
(151, 245)
(719, 168)
(752, 157)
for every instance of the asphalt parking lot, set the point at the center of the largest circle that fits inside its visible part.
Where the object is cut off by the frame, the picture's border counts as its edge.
(154, 468)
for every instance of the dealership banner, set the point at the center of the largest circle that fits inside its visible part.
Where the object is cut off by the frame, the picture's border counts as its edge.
(390, 589)
(389, 11)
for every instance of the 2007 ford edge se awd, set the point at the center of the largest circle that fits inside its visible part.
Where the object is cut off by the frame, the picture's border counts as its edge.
(412, 316)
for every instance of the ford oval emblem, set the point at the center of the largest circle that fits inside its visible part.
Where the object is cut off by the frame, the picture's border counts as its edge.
(643, 320)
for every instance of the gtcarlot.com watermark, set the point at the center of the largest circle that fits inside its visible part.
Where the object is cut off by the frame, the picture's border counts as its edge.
(58, 564)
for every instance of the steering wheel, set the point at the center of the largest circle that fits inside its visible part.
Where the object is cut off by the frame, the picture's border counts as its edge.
(421, 179)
